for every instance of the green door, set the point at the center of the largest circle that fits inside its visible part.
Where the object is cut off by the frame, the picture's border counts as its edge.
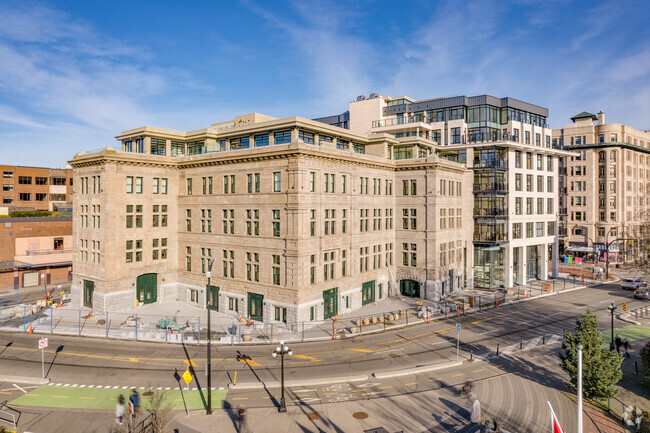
(89, 288)
(409, 288)
(213, 298)
(330, 302)
(451, 280)
(147, 291)
(368, 292)
(255, 304)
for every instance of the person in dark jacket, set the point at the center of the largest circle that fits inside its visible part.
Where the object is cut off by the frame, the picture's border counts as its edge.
(135, 399)
(618, 342)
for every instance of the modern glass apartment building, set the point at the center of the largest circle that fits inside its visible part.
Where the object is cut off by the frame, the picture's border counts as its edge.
(506, 146)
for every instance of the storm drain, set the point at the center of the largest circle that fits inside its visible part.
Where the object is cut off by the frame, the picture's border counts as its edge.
(148, 394)
(360, 415)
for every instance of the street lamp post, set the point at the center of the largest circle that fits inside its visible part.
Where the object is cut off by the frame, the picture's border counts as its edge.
(282, 350)
(579, 347)
(611, 309)
(207, 307)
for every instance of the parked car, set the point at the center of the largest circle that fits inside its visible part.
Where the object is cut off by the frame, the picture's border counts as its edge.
(642, 294)
(632, 283)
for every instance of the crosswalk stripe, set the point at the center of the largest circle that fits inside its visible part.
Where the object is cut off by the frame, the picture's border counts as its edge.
(534, 342)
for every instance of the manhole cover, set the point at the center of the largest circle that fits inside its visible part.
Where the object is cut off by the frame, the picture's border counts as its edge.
(360, 415)
(148, 393)
(312, 416)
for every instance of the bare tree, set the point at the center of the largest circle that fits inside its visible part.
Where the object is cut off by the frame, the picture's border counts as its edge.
(160, 411)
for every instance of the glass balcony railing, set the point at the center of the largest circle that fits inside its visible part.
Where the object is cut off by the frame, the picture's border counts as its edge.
(492, 187)
(490, 237)
(491, 212)
(490, 163)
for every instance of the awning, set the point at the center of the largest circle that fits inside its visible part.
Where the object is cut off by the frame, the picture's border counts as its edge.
(581, 249)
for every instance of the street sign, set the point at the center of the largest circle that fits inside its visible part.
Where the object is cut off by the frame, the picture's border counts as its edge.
(458, 328)
(42, 343)
(187, 376)
(624, 306)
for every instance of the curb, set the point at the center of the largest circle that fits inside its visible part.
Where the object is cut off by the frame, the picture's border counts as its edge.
(626, 318)
(303, 382)
(23, 379)
(416, 370)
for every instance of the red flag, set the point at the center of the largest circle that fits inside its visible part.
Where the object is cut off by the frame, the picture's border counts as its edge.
(557, 428)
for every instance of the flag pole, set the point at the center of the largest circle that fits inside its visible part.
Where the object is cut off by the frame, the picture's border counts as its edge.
(556, 426)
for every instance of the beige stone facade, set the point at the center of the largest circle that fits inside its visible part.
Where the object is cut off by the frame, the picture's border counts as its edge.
(606, 183)
(300, 219)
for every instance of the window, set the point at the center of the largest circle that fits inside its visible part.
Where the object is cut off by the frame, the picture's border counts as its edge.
(363, 259)
(282, 137)
(344, 221)
(539, 229)
(177, 148)
(549, 184)
(159, 250)
(261, 140)
(276, 223)
(24, 196)
(516, 230)
(129, 184)
(253, 222)
(253, 182)
(206, 220)
(517, 159)
(7, 187)
(540, 183)
(207, 185)
(550, 228)
(276, 269)
(156, 185)
(343, 183)
(157, 146)
(189, 185)
(228, 221)
(455, 135)
(312, 270)
(389, 254)
(40, 181)
(529, 161)
(239, 143)
(518, 182)
(138, 185)
(25, 180)
(306, 137)
(312, 224)
(409, 255)
(229, 184)
(328, 266)
(312, 181)
(409, 187)
(529, 182)
(529, 206)
(328, 182)
(540, 206)
(41, 196)
(7, 200)
(529, 230)
(549, 206)
(540, 162)
(517, 205)
(280, 314)
(376, 256)
(8, 174)
(252, 266)
(342, 144)
(388, 221)
(277, 182)
(538, 139)
(330, 221)
(527, 137)
(228, 263)
(188, 220)
(363, 220)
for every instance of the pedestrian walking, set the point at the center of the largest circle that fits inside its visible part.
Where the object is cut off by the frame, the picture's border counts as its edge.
(119, 409)
(618, 342)
(242, 414)
(135, 399)
(626, 347)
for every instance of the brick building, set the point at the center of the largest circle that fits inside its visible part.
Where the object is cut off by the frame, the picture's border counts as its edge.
(35, 188)
(34, 251)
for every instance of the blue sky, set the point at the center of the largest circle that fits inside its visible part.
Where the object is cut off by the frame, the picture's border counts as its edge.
(74, 74)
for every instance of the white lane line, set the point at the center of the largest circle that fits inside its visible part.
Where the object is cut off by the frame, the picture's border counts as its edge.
(66, 384)
(116, 387)
(534, 342)
(168, 388)
(50, 384)
(75, 385)
(194, 389)
(124, 387)
(221, 388)
(508, 350)
(92, 386)
(159, 388)
(82, 386)
(487, 332)
(24, 392)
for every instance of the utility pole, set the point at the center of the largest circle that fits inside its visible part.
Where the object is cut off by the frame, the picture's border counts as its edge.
(207, 307)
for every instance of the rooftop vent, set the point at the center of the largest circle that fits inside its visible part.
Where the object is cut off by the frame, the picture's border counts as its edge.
(360, 98)
(373, 96)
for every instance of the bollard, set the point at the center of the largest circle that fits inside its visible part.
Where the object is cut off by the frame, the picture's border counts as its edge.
(471, 355)
(564, 334)
(521, 344)
(636, 368)
(543, 339)
(497, 350)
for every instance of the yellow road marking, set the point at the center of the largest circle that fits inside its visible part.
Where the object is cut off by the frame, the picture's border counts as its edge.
(32, 395)
(302, 395)
(385, 387)
(308, 358)
(358, 390)
(2, 392)
(498, 376)
(87, 398)
(533, 357)
(359, 349)
(190, 363)
(59, 396)
(273, 396)
(478, 371)
(409, 384)
(250, 362)
(456, 375)
(330, 393)
(133, 359)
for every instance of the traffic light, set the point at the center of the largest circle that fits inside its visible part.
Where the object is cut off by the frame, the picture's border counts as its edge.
(624, 306)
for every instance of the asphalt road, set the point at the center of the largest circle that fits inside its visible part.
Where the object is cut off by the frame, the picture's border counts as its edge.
(528, 335)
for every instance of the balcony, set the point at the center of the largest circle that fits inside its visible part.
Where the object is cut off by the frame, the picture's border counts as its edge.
(490, 237)
(491, 212)
(42, 257)
(491, 163)
(491, 188)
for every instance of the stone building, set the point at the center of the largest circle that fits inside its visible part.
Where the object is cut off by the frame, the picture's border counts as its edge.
(301, 220)
(606, 182)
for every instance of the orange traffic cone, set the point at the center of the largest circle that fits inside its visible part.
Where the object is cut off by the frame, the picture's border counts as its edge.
(249, 320)
(335, 332)
(31, 330)
(239, 317)
(336, 317)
